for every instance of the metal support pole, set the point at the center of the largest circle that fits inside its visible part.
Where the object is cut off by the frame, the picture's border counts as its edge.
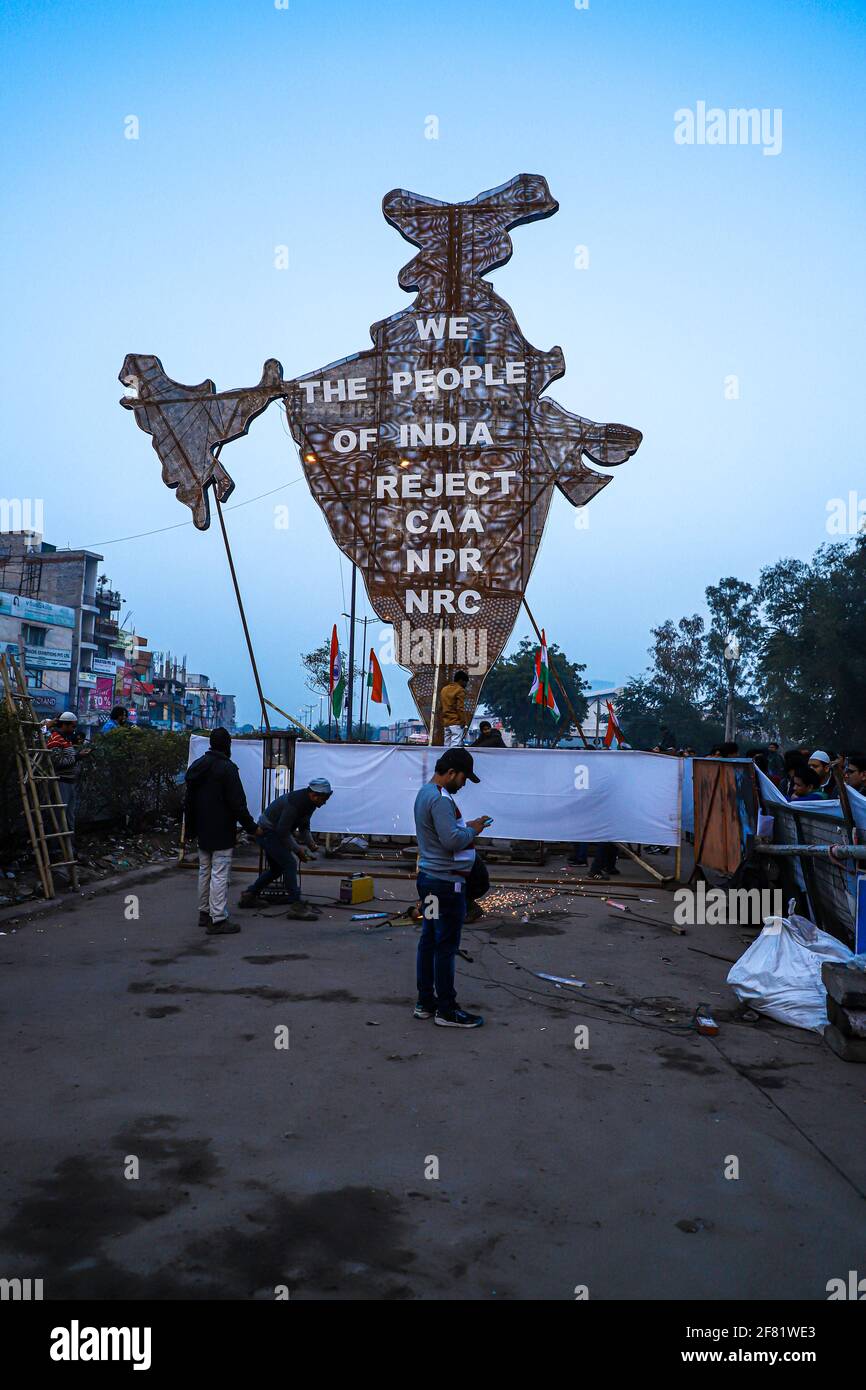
(262, 700)
(365, 699)
(350, 704)
(855, 852)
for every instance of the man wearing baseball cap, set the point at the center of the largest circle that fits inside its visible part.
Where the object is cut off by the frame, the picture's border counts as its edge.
(445, 856)
(286, 827)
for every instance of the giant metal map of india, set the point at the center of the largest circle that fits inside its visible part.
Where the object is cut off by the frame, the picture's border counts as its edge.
(431, 454)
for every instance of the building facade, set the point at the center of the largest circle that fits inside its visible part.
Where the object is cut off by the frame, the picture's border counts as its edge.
(61, 619)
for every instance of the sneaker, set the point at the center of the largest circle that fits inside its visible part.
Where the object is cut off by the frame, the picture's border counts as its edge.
(224, 928)
(204, 919)
(248, 900)
(421, 1012)
(457, 1018)
(301, 912)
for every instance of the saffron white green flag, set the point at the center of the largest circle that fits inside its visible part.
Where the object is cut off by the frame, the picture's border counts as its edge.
(541, 693)
(337, 682)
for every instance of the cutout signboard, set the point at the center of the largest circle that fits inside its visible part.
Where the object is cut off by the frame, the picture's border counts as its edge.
(432, 454)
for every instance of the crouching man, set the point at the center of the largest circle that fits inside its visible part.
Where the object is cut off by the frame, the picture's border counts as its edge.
(445, 859)
(285, 827)
(215, 805)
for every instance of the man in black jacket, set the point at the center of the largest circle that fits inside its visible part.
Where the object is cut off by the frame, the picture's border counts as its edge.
(215, 805)
(488, 737)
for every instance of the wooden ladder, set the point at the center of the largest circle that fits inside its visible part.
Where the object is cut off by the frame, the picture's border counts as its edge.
(37, 779)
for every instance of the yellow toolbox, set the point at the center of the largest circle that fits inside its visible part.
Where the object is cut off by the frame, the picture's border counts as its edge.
(357, 888)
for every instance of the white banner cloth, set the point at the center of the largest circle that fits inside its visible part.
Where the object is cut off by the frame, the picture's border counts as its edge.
(531, 793)
(248, 754)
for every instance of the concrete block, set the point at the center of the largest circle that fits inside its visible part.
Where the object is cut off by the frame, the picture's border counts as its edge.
(845, 983)
(849, 1049)
(850, 1022)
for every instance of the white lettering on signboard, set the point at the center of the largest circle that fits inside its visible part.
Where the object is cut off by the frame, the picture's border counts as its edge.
(477, 483)
(449, 378)
(435, 328)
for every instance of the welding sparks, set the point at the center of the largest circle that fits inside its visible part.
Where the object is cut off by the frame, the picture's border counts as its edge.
(512, 902)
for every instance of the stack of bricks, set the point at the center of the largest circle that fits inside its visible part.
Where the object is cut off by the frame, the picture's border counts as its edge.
(846, 1010)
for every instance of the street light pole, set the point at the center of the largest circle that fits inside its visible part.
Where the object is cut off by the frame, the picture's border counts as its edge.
(732, 657)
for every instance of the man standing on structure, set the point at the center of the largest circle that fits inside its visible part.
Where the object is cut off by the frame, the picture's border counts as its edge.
(452, 708)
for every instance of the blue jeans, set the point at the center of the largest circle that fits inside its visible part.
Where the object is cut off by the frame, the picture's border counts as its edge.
(280, 861)
(439, 940)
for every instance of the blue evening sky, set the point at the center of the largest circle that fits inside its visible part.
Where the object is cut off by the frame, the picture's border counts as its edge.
(262, 126)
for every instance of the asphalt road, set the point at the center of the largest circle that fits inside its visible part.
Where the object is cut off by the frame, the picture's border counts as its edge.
(380, 1157)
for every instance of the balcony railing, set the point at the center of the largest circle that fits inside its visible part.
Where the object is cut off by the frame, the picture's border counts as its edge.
(108, 598)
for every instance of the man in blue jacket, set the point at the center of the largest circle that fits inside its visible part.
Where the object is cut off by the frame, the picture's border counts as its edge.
(445, 857)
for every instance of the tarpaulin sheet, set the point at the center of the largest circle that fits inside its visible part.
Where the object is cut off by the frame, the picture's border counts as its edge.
(833, 885)
(531, 793)
(248, 754)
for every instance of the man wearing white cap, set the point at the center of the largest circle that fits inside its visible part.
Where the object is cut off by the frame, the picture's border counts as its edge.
(286, 827)
(820, 763)
(67, 755)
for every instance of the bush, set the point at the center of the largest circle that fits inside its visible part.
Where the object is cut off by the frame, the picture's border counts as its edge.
(12, 824)
(132, 777)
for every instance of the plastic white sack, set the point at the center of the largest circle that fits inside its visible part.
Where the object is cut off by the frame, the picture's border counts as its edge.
(780, 973)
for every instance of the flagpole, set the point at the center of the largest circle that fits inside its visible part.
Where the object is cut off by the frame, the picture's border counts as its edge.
(351, 655)
(553, 671)
(364, 680)
(365, 703)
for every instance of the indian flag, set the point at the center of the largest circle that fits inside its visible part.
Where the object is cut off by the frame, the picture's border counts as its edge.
(541, 693)
(337, 681)
(376, 683)
(613, 731)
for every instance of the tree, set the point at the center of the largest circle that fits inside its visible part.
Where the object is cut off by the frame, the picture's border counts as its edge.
(645, 713)
(317, 669)
(679, 663)
(669, 701)
(506, 693)
(732, 644)
(812, 660)
(317, 678)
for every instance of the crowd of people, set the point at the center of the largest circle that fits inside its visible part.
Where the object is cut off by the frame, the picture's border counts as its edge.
(801, 774)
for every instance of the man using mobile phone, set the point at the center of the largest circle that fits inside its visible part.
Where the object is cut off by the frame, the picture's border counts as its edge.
(445, 857)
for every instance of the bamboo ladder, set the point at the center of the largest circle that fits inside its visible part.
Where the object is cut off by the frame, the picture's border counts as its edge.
(37, 779)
